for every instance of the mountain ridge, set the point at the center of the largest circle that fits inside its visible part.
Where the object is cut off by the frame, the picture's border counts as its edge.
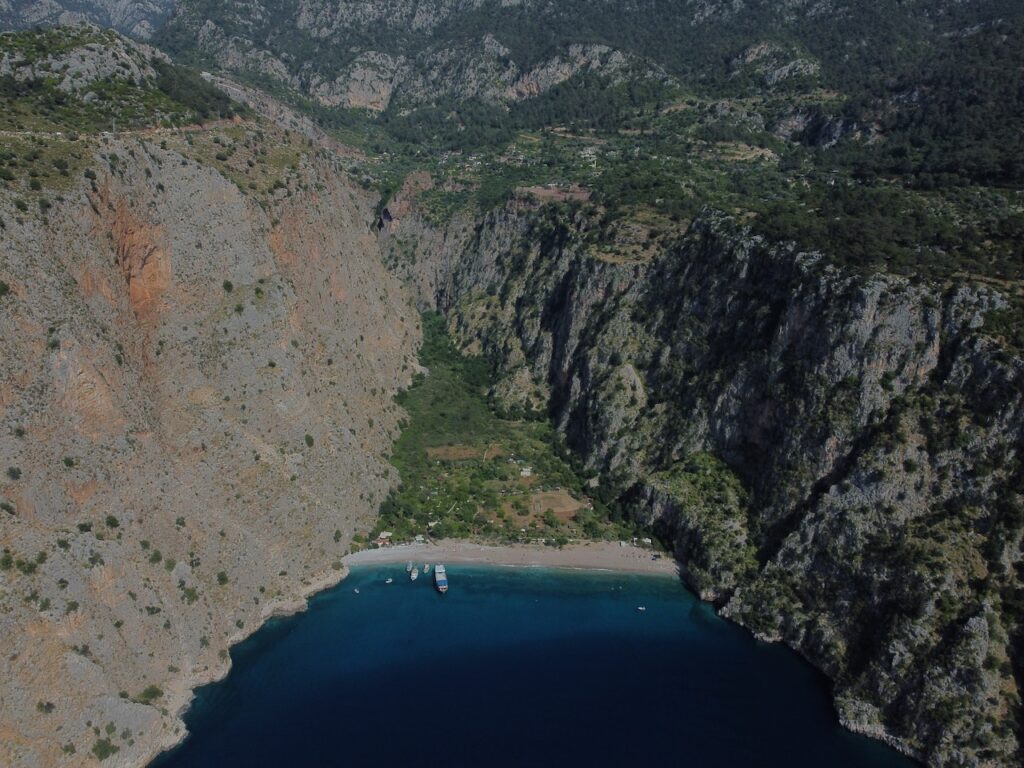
(138, 18)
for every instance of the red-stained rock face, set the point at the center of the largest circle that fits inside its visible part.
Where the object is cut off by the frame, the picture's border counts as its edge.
(144, 260)
(151, 442)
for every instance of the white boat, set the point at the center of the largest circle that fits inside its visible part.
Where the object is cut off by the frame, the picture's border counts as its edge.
(415, 574)
(356, 591)
(388, 580)
(441, 579)
(641, 608)
(408, 566)
(426, 569)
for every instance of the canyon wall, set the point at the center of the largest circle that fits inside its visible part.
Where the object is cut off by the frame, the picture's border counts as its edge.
(836, 457)
(195, 418)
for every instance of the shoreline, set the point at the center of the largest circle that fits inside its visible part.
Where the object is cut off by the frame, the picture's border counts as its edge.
(281, 608)
(603, 556)
(592, 556)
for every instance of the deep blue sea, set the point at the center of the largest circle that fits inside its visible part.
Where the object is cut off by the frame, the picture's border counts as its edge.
(515, 667)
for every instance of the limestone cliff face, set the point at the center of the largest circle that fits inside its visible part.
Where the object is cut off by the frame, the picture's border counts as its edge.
(139, 18)
(195, 417)
(374, 80)
(394, 53)
(836, 457)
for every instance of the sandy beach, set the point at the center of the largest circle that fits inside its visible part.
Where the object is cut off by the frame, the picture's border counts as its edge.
(598, 556)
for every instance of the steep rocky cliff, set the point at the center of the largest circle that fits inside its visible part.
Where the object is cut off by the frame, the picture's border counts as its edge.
(195, 416)
(836, 457)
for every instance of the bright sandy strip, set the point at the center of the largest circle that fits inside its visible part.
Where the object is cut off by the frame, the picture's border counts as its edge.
(598, 555)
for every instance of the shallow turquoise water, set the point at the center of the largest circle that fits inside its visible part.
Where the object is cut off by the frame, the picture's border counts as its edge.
(516, 667)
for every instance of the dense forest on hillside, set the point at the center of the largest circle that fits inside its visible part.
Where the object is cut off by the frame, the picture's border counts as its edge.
(856, 40)
(952, 117)
(941, 81)
(884, 133)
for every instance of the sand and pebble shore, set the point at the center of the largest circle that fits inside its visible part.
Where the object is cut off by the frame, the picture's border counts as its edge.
(598, 555)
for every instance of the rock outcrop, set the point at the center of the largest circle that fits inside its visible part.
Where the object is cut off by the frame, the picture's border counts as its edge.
(138, 18)
(98, 56)
(482, 69)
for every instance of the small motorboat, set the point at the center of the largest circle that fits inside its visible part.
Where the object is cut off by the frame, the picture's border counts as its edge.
(388, 580)
(426, 569)
(356, 590)
(414, 574)
(641, 608)
(408, 566)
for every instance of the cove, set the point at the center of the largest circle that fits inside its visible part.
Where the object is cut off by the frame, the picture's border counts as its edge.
(515, 667)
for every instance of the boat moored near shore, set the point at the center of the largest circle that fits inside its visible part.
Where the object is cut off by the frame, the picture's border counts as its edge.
(440, 579)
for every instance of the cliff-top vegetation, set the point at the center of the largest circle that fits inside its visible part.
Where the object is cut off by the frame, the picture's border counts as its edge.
(83, 79)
